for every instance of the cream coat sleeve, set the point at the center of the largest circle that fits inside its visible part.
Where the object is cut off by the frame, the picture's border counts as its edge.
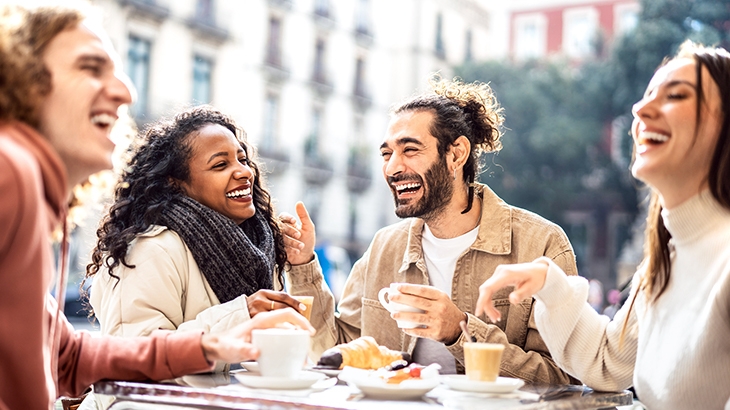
(582, 342)
(165, 290)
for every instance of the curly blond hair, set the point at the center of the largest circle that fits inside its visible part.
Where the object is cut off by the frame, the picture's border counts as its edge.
(460, 109)
(24, 36)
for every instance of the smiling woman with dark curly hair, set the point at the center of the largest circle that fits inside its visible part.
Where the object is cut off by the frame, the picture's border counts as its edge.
(191, 240)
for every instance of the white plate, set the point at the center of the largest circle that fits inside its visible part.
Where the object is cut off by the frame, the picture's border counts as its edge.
(328, 372)
(408, 389)
(501, 385)
(304, 380)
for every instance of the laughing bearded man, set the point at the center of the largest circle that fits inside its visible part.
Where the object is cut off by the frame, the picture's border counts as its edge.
(454, 233)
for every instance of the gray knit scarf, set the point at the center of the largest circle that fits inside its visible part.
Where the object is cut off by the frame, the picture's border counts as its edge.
(235, 259)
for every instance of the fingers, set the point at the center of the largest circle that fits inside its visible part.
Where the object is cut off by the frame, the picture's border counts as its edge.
(303, 215)
(423, 291)
(527, 279)
(485, 303)
(280, 317)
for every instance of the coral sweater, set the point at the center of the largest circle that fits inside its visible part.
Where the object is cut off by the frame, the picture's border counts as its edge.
(676, 350)
(34, 371)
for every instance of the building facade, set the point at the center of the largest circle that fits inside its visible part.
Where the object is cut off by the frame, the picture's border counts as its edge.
(310, 81)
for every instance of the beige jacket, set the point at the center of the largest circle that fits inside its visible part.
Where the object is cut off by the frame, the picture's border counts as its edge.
(166, 290)
(506, 235)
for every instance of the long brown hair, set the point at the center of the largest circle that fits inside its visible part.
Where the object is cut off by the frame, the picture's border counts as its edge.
(657, 260)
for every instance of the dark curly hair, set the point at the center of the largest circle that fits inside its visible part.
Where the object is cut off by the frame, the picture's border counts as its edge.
(145, 188)
(460, 109)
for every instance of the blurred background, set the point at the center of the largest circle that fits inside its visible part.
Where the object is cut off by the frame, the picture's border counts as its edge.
(311, 82)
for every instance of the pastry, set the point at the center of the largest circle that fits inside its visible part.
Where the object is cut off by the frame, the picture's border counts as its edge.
(362, 353)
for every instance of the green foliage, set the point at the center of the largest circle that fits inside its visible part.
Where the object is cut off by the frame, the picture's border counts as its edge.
(558, 116)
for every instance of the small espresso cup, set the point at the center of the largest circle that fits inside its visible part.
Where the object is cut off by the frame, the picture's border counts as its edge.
(482, 361)
(308, 302)
(394, 307)
(282, 351)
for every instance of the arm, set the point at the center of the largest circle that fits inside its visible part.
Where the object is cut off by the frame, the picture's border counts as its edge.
(583, 342)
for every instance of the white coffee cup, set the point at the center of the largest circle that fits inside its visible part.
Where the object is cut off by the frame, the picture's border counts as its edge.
(283, 351)
(394, 307)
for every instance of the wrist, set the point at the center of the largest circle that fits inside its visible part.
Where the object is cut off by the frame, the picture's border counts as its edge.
(209, 343)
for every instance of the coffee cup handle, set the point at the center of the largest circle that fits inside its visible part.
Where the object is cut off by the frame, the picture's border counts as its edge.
(381, 297)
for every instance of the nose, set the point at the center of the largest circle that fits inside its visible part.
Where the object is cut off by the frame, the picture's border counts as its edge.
(243, 171)
(643, 108)
(120, 88)
(393, 165)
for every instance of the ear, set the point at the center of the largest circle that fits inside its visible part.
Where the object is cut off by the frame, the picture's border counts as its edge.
(175, 184)
(459, 153)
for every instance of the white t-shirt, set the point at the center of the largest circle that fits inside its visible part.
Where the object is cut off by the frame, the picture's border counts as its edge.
(441, 256)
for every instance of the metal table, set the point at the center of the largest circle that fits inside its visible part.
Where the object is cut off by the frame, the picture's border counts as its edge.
(221, 391)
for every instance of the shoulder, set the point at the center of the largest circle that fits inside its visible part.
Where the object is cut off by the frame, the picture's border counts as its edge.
(20, 185)
(157, 240)
(528, 221)
(395, 232)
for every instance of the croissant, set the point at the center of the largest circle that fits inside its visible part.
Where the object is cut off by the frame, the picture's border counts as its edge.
(363, 353)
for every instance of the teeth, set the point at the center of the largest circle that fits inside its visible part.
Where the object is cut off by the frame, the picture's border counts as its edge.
(239, 193)
(103, 119)
(412, 185)
(652, 136)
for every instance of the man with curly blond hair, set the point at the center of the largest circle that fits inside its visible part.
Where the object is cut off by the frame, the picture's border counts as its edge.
(60, 90)
(454, 233)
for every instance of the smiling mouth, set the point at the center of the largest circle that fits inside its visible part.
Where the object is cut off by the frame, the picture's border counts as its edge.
(239, 193)
(103, 121)
(652, 138)
(405, 189)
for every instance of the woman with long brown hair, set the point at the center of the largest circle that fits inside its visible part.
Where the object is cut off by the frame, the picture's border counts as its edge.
(672, 340)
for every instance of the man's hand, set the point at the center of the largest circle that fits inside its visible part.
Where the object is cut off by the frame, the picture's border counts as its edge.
(266, 300)
(234, 345)
(441, 316)
(299, 238)
(527, 278)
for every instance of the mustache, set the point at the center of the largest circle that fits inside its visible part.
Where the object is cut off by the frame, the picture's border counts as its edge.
(404, 177)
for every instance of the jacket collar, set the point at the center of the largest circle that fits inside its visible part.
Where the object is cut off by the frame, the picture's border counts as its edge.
(51, 167)
(495, 230)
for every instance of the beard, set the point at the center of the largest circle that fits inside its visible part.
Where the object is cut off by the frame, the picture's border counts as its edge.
(437, 191)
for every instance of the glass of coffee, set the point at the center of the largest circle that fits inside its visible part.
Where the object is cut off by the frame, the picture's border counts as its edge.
(482, 360)
(308, 302)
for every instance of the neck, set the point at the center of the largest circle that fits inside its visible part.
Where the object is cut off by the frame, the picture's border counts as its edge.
(451, 223)
(677, 195)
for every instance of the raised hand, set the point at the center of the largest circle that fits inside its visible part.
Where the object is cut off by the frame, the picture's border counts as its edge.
(234, 345)
(441, 317)
(527, 278)
(265, 300)
(299, 237)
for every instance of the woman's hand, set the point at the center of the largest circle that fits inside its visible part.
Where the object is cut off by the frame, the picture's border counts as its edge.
(527, 278)
(234, 345)
(266, 300)
(299, 238)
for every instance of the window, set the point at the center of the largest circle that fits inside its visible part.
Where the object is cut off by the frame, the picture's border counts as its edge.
(322, 8)
(530, 36)
(202, 71)
(579, 31)
(439, 44)
(204, 11)
(626, 18)
(360, 78)
(468, 46)
(271, 118)
(138, 69)
(319, 58)
(273, 51)
(362, 17)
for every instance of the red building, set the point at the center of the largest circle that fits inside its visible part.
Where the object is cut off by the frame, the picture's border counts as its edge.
(573, 28)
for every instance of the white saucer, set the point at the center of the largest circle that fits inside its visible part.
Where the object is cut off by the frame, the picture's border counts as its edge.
(251, 366)
(304, 380)
(406, 390)
(328, 372)
(501, 385)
